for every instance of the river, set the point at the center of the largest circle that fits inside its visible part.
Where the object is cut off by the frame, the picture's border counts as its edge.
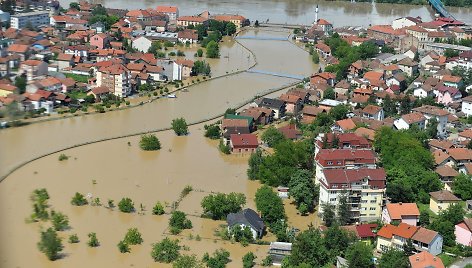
(113, 169)
(340, 13)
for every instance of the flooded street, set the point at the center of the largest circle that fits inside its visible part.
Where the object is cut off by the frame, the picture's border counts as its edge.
(120, 170)
(340, 13)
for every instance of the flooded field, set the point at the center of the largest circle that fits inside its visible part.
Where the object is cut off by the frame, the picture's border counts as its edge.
(120, 170)
(114, 169)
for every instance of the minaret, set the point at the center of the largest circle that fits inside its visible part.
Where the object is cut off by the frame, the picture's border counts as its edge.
(316, 15)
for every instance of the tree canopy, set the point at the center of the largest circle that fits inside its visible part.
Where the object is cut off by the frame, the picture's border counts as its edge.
(270, 205)
(219, 205)
(272, 136)
(166, 251)
(50, 244)
(302, 189)
(179, 125)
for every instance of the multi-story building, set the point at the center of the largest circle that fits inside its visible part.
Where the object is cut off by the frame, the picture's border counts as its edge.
(439, 114)
(344, 141)
(391, 236)
(237, 20)
(364, 187)
(343, 159)
(467, 105)
(185, 21)
(115, 77)
(171, 11)
(34, 19)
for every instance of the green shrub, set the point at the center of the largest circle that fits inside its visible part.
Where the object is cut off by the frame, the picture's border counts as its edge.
(63, 157)
(73, 239)
(133, 237)
(78, 200)
(149, 142)
(126, 205)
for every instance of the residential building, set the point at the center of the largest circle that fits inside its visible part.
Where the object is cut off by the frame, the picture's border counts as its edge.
(401, 212)
(344, 125)
(237, 20)
(407, 120)
(99, 92)
(405, 22)
(7, 89)
(247, 218)
(33, 19)
(463, 232)
(142, 43)
(364, 187)
(171, 69)
(466, 106)
(425, 260)
(171, 11)
(441, 200)
(344, 141)
(101, 40)
(186, 66)
(344, 158)
(276, 105)
(185, 21)
(441, 47)
(64, 61)
(243, 143)
(391, 236)
(293, 103)
(440, 115)
(33, 68)
(278, 251)
(188, 35)
(447, 95)
(234, 126)
(460, 156)
(117, 78)
(261, 116)
(373, 112)
(408, 66)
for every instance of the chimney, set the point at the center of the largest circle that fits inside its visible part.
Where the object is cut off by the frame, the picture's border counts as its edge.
(401, 203)
(417, 258)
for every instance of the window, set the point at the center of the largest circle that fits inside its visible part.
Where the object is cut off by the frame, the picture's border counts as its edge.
(332, 199)
(330, 162)
(372, 208)
(373, 201)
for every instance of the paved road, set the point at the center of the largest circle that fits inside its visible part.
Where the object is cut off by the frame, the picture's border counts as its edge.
(462, 263)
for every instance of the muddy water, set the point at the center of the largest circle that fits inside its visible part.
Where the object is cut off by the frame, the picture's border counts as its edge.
(340, 13)
(201, 101)
(120, 170)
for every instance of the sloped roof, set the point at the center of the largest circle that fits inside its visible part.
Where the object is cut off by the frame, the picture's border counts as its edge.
(247, 217)
(425, 260)
(444, 195)
(398, 210)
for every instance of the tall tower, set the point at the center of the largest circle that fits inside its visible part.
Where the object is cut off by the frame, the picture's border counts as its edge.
(316, 15)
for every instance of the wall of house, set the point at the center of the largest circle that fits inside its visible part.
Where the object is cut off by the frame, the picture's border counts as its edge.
(411, 220)
(467, 108)
(383, 244)
(142, 44)
(463, 235)
(438, 206)
(435, 247)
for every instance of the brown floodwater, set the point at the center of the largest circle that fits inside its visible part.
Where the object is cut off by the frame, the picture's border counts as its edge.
(113, 170)
(340, 13)
(202, 101)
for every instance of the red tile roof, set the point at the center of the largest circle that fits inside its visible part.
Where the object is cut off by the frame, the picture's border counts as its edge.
(398, 210)
(244, 140)
(425, 259)
(167, 9)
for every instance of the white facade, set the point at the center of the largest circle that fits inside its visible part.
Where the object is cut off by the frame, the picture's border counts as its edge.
(402, 23)
(402, 124)
(36, 18)
(467, 106)
(142, 44)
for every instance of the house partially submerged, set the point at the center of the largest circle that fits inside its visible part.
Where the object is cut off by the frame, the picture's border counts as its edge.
(247, 218)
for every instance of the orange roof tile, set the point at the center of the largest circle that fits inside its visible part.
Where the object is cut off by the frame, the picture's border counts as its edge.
(398, 210)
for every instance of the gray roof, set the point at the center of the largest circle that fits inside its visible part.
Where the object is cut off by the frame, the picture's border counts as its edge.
(271, 103)
(247, 217)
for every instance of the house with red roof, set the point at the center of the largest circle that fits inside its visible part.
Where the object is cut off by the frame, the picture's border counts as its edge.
(171, 11)
(33, 68)
(391, 236)
(447, 95)
(326, 26)
(237, 20)
(185, 21)
(243, 143)
(117, 78)
(425, 259)
(323, 78)
(293, 103)
(101, 40)
(373, 112)
(323, 49)
(188, 35)
(401, 212)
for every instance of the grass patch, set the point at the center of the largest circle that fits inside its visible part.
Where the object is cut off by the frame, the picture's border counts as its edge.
(78, 77)
(77, 94)
(425, 207)
(446, 259)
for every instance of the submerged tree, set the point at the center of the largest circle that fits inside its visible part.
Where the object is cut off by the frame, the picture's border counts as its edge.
(50, 244)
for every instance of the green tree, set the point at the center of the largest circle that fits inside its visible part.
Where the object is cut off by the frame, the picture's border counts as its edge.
(178, 221)
(78, 200)
(408, 248)
(255, 161)
(73, 238)
(462, 186)
(337, 240)
(329, 214)
(166, 251)
(432, 128)
(343, 209)
(123, 247)
(20, 83)
(200, 53)
(315, 58)
(219, 205)
(93, 241)
(133, 237)
(389, 106)
(149, 142)
(212, 50)
(50, 244)
(450, 53)
(270, 205)
(187, 261)
(179, 125)
(242, 234)
(302, 188)
(60, 222)
(329, 94)
(394, 258)
(213, 132)
(158, 209)
(230, 28)
(309, 249)
(248, 260)
(339, 112)
(272, 136)
(219, 259)
(74, 5)
(126, 205)
(359, 255)
(424, 218)
(201, 67)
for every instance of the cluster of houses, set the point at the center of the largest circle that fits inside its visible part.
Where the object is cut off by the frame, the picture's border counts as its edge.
(49, 47)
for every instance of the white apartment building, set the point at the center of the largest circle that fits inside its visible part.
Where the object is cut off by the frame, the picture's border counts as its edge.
(35, 19)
